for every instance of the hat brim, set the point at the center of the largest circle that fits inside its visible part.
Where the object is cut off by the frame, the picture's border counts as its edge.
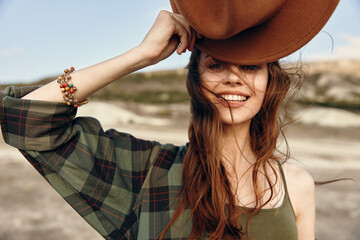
(297, 22)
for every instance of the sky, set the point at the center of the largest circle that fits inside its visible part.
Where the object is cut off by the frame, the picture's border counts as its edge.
(40, 38)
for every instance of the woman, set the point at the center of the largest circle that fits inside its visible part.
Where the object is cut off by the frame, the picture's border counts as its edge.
(227, 183)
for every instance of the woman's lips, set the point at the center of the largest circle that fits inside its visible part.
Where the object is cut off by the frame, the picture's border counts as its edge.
(232, 100)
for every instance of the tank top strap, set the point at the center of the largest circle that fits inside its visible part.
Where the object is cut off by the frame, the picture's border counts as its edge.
(287, 196)
(282, 172)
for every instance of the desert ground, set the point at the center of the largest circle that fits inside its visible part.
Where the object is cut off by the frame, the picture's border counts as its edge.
(324, 141)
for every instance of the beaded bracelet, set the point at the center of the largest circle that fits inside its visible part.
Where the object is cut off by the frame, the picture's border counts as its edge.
(68, 89)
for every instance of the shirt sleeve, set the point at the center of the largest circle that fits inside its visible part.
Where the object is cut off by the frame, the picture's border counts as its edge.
(99, 173)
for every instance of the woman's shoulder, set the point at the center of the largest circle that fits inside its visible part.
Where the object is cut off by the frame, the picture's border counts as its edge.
(301, 187)
(298, 175)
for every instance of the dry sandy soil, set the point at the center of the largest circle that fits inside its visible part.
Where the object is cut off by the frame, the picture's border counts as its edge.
(31, 209)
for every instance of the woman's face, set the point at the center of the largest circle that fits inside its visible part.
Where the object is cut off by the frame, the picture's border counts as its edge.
(242, 86)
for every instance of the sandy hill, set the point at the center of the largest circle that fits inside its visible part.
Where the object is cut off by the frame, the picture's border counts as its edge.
(332, 84)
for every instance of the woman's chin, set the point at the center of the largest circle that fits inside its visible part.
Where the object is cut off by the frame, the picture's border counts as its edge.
(237, 116)
(236, 121)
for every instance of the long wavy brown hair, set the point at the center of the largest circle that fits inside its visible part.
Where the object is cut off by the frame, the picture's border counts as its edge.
(205, 184)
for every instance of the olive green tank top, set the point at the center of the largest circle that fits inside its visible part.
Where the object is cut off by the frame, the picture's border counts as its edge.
(274, 223)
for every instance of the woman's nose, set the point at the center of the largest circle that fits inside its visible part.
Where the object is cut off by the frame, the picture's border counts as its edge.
(234, 76)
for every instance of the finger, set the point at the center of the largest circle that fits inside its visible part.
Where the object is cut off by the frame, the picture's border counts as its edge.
(184, 39)
(193, 39)
(190, 38)
(185, 32)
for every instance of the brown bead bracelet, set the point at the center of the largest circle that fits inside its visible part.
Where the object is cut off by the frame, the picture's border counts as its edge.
(68, 89)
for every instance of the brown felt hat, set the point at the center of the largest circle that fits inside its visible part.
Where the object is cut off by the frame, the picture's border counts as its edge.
(254, 31)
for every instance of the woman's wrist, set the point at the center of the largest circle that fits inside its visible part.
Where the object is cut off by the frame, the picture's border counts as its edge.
(90, 79)
(146, 57)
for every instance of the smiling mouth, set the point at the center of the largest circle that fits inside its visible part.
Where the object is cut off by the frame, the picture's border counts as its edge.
(233, 98)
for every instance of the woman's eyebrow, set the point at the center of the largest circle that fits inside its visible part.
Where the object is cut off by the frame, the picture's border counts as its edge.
(208, 56)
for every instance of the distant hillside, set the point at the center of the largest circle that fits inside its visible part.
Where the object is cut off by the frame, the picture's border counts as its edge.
(349, 67)
(333, 84)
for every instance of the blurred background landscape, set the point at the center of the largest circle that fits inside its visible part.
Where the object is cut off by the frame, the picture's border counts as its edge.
(154, 105)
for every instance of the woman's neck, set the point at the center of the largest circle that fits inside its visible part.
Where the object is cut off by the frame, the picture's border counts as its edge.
(236, 148)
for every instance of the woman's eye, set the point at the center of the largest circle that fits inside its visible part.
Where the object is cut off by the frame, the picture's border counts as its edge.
(215, 66)
(250, 67)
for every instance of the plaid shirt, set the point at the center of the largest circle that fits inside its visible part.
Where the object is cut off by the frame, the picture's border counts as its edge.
(124, 187)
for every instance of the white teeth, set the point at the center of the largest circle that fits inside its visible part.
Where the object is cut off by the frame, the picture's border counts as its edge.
(234, 97)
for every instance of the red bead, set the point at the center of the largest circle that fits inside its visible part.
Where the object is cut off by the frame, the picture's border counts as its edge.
(72, 69)
(76, 105)
(72, 90)
(65, 85)
(61, 86)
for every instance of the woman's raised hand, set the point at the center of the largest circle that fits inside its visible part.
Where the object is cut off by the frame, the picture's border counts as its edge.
(170, 32)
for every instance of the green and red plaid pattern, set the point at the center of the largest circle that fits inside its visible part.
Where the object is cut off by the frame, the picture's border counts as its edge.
(118, 183)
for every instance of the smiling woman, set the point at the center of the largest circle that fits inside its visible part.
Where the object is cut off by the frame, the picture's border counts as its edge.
(229, 181)
(239, 88)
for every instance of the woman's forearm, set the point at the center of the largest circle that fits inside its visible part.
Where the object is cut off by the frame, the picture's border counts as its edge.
(157, 45)
(90, 79)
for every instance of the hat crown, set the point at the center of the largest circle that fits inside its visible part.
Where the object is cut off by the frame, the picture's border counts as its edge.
(226, 18)
(252, 32)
